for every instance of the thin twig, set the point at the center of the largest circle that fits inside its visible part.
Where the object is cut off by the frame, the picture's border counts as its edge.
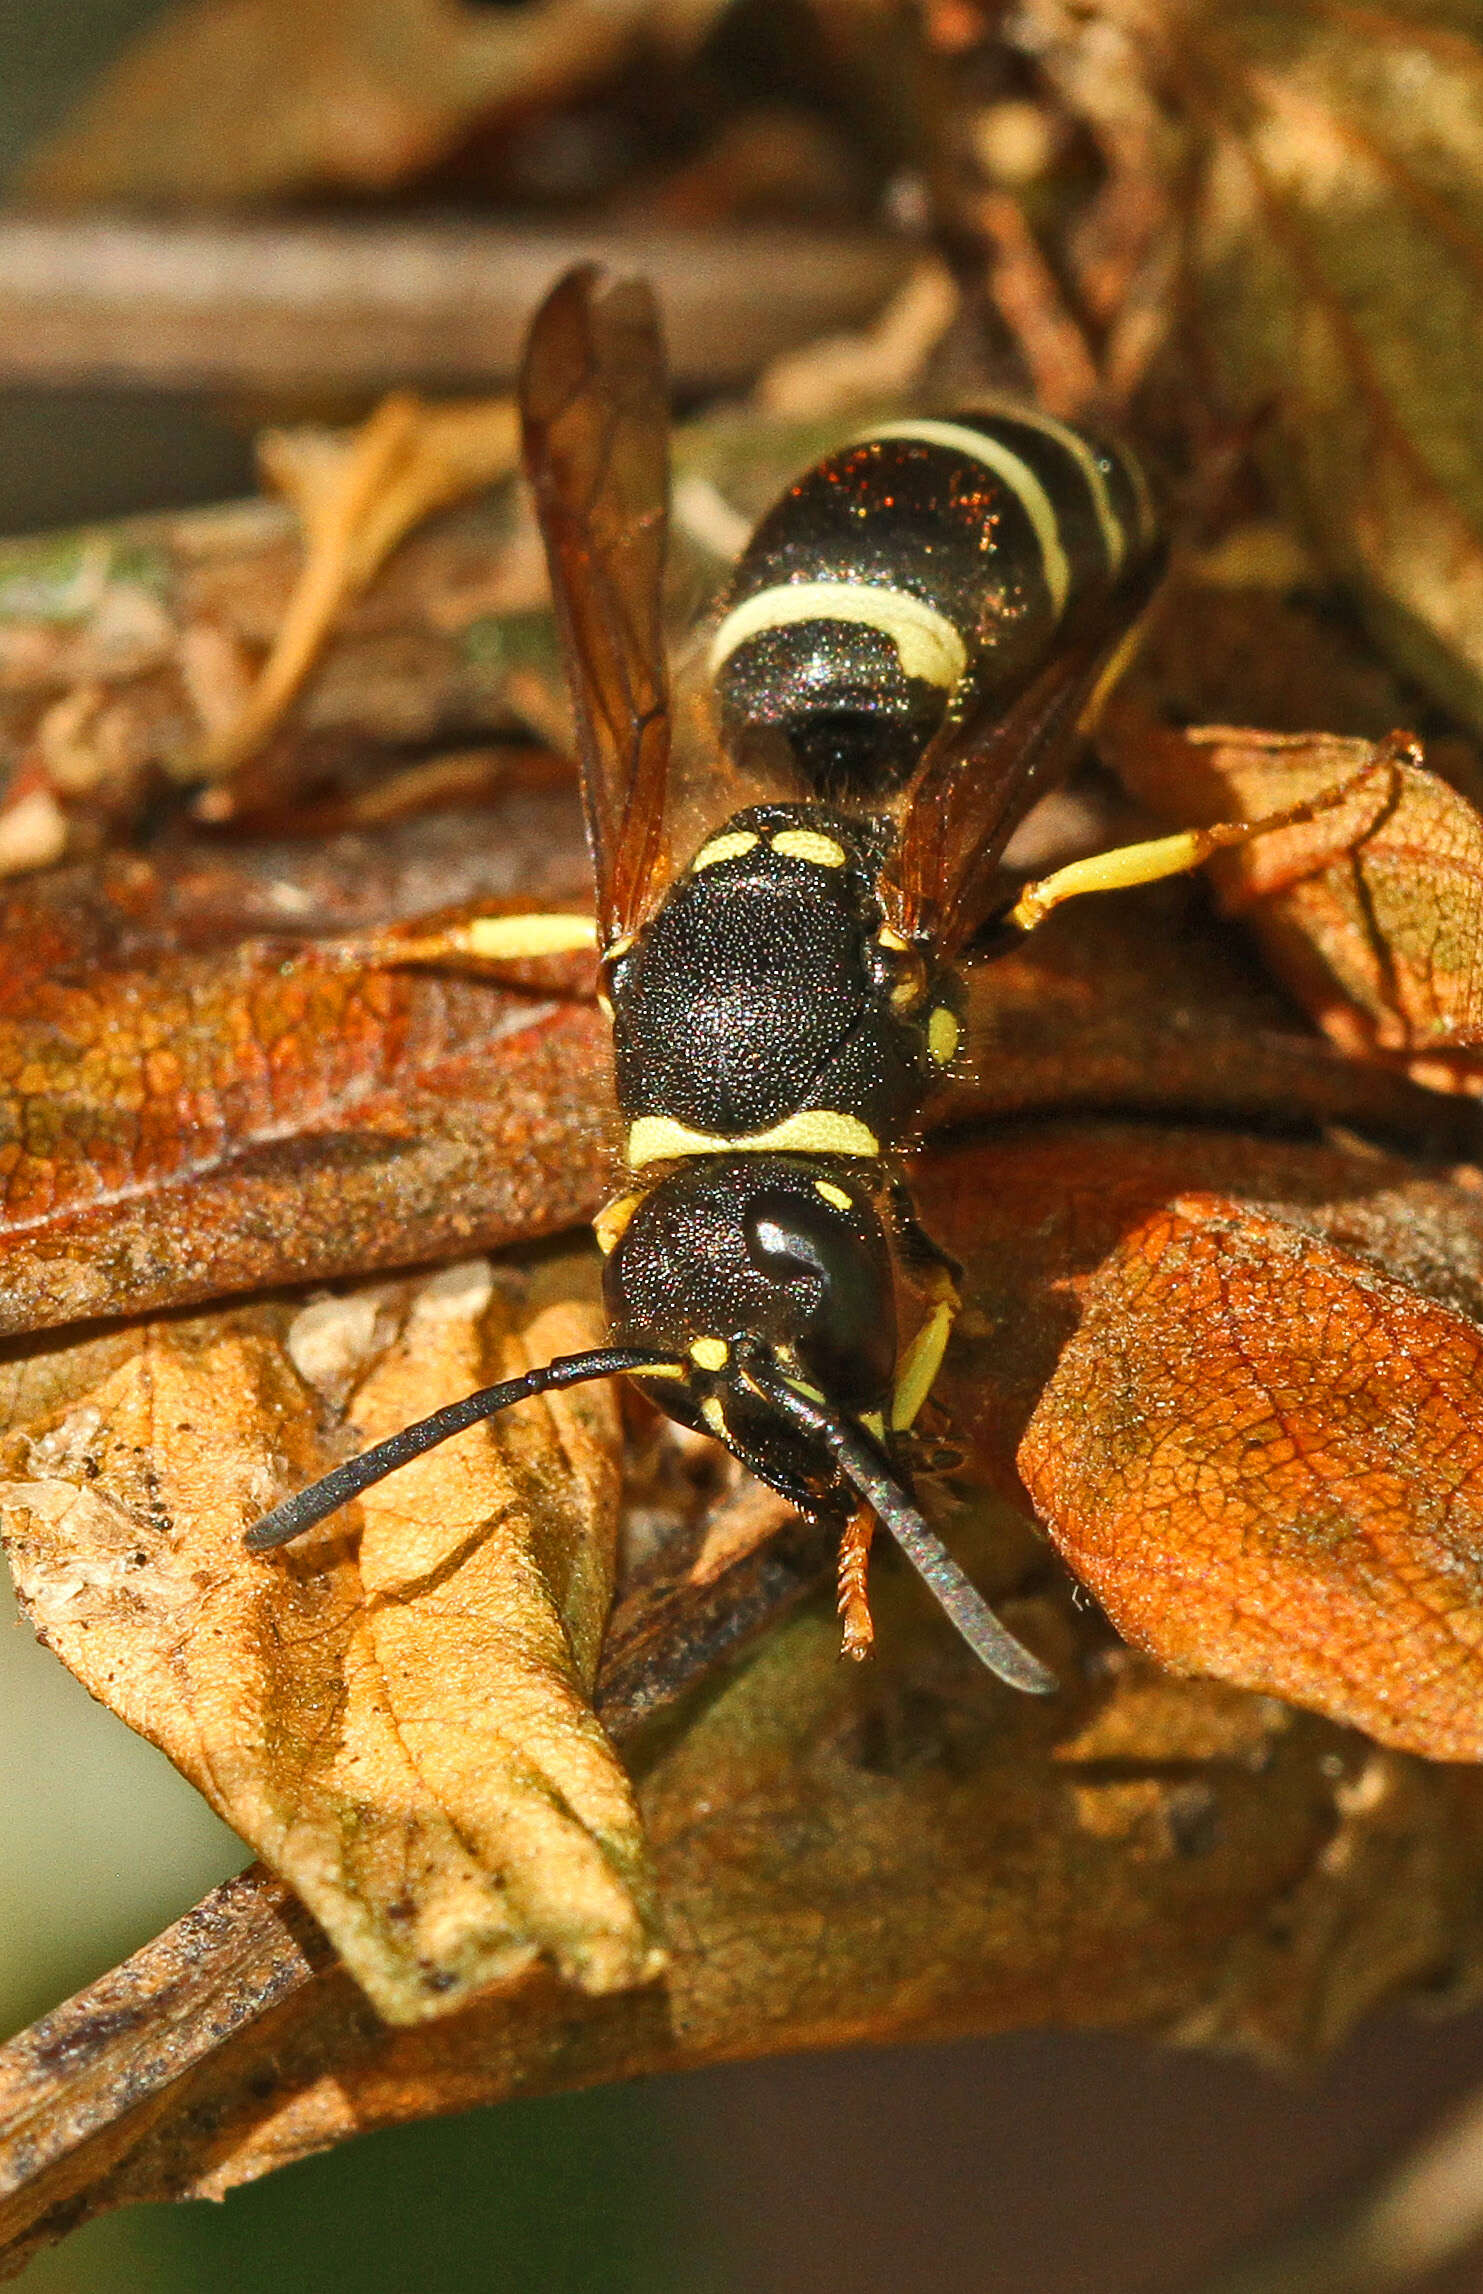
(312, 306)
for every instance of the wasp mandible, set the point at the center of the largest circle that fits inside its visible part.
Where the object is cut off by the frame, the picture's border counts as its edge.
(793, 856)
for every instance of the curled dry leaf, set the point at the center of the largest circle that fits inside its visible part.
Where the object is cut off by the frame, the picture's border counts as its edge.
(403, 1729)
(1372, 911)
(1265, 1456)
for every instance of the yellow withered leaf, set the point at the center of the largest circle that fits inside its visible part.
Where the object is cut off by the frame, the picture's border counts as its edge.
(397, 1721)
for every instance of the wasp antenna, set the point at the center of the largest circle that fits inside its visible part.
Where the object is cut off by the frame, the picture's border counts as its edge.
(324, 1497)
(862, 1467)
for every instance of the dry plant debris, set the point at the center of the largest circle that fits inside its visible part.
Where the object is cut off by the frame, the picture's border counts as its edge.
(356, 498)
(1372, 912)
(1312, 170)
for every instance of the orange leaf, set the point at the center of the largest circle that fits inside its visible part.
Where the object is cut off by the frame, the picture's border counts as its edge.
(1265, 1456)
(185, 1112)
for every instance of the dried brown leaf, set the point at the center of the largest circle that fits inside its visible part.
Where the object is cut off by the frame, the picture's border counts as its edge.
(1032, 1211)
(1337, 238)
(1372, 911)
(1319, 161)
(405, 1733)
(185, 1112)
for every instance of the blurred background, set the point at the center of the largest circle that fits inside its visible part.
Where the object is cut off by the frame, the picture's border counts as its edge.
(1068, 2164)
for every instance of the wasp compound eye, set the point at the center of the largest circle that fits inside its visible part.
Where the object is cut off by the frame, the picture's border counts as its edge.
(834, 1261)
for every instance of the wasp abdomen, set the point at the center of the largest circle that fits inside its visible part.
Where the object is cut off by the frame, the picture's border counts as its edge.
(927, 556)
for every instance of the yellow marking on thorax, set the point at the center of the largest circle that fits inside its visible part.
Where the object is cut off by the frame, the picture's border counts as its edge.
(816, 1131)
(506, 939)
(611, 1223)
(731, 846)
(921, 1363)
(714, 1416)
(709, 1353)
(926, 642)
(943, 1035)
(834, 1195)
(1018, 477)
(810, 844)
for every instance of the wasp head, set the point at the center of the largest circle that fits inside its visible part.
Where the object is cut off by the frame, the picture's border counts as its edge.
(750, 1268)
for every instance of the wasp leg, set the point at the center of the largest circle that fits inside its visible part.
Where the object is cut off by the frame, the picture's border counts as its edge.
(858, 1635)
(475, 943)
(920, 1364)
(914, 1381)
(1163, 856)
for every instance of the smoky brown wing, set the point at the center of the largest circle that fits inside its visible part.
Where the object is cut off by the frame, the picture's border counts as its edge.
(982, 772)
(594, 413)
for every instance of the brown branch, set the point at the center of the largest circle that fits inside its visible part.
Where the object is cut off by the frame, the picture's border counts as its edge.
(335, 306)
(844, 1854)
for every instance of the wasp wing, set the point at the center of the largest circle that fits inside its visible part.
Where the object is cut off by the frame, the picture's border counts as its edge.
(988, 764)
(595, 417)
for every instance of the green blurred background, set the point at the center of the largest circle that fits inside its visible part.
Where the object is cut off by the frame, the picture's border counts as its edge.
(1067, 2164)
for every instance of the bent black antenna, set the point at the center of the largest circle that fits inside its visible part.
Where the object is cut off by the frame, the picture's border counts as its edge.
(324, 1497)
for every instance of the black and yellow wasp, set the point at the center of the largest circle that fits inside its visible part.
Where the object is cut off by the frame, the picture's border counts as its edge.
(793, 854)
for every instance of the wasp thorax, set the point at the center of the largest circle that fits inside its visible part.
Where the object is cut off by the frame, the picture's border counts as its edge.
(764, 1005)
(760, 1251)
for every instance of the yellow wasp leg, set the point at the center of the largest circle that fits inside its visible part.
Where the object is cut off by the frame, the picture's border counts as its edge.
(1175, 855)
(481, 940)
(923, 1359)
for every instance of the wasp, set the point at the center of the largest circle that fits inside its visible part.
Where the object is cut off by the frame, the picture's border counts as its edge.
(795, 850)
